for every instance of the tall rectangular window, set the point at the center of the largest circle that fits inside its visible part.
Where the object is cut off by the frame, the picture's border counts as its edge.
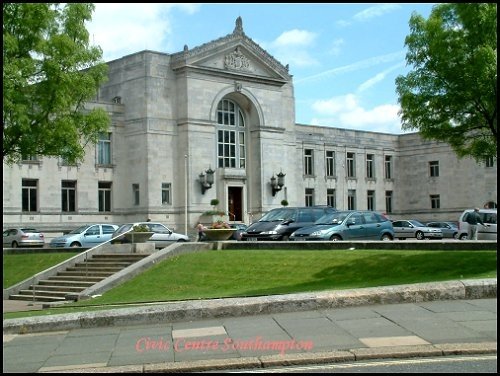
(489, 162)
(29, 195)
(166, 193)
(308, 162)
(136, 194)
(68, 196)
(434, 168)
(330, 163)
(104, 149)
(104, 196)
(309, 198)
(351, 199)
(351, 165)
(370, 200)
(331, 200)
(435, 202)
(370, 166)
(231, 144)
(388, 201)
(388, 166)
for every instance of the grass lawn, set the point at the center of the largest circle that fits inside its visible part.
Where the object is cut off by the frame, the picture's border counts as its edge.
(18, 267)
(238, 273)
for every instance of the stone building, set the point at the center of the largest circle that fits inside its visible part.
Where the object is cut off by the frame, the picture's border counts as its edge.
(227, 107)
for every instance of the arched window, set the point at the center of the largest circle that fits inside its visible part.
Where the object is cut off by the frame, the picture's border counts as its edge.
(231, 147)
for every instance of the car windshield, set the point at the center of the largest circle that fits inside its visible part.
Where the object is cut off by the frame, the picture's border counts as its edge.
(416, 223)
(79, 230)
(335, 218)
(279, 215)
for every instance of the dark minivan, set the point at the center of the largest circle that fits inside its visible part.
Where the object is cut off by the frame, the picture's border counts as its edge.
(279, 223)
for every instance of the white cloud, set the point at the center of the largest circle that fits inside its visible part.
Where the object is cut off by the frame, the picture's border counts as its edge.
(121, 29)
(291, 48)
(379, 77)
(345, 112)
(375, 11)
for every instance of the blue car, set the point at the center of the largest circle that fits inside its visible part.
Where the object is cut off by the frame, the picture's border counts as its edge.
(348, 225)
(86, 236)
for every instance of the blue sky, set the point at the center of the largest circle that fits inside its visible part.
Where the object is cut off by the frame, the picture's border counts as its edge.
(344, 58)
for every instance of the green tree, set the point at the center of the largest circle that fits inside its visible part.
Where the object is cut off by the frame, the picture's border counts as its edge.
(450, 95)
(50, 71)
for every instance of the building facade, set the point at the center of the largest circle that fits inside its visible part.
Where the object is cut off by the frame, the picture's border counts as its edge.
(226, 111)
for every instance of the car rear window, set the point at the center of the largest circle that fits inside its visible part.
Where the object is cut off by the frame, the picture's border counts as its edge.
(28, 230)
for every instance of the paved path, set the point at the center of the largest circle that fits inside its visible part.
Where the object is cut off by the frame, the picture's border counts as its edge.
(431, 328)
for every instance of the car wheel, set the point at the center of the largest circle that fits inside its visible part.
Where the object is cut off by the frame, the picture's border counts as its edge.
(463, 237)
(455, 235)
(285, 238)
(75, 245)
(419, 235)
(386, 237)
(335, 238)
(14, 245)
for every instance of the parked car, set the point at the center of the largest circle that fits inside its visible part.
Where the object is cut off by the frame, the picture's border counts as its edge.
(412, 228)
(488, 232)
(279, 223)
(347, 225)
(23, 237)
(240, 227)
(86, 236)
(162, 236)
(449, 229)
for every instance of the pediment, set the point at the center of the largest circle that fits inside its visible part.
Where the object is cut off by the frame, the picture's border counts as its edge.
(234, 54)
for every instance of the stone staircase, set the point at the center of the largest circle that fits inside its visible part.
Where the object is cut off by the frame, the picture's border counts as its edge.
(77, 278)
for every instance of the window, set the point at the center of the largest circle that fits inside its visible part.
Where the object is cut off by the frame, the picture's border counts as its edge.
(107, 229)
(370, 166)
(166, 193)
(388, 166)
(370, 200)
(351, 199)
(104, 196)
(489, 162)
(331, 200)
(104, 149)
(434, 168)
(351, 165)
(68, 196)
(231, 146)
(330, 163)
(309, 197)
(435, 202)
(388, 201)
(29, 195)
(29, 158)
(136, 193)
(308, 162)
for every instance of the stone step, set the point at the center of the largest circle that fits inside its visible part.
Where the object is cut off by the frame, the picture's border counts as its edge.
(77, 278)
(84, 268)
(83, 284)
(94, 263)
(79, 273)
(37, 298)
(64, 288)
(42, 293)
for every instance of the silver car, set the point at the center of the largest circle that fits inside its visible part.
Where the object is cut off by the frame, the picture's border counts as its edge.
(412, 228)
(162, 236)
(86, 236)
(449, 229)
(23, 237)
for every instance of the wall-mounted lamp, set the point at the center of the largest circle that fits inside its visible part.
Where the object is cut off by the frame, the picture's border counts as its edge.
(277, 184)
(206, 180)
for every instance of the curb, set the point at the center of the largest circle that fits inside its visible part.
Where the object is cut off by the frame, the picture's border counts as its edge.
(269, 361)
(213, 308)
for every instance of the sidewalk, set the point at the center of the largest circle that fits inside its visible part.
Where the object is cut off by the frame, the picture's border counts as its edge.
(221, 336)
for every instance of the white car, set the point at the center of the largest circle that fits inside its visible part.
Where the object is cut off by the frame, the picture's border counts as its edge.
(162, 236)
(487, 232)
(414, 229)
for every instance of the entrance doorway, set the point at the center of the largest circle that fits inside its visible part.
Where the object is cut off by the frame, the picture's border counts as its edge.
(235, 203)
